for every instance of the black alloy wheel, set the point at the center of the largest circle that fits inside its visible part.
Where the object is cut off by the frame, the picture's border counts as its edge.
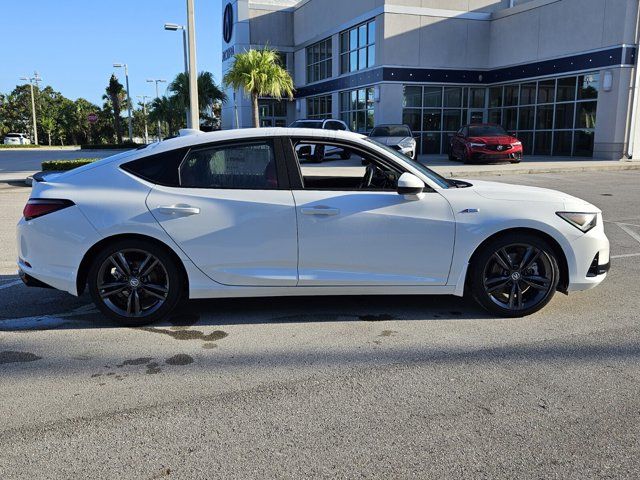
(515, 276)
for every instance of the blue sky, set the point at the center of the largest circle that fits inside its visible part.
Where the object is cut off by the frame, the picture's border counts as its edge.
(74, 43)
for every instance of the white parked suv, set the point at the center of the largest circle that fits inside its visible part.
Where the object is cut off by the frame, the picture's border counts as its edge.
(235, 214)
(16, 139)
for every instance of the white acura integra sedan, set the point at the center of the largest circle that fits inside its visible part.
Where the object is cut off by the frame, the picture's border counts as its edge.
(249, 213)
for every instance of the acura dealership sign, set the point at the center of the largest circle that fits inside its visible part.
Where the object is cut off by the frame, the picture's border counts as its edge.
(227, 23)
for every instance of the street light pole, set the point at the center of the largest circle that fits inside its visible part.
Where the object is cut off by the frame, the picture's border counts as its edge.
(157, 80)
(126, 75)
(194, 111)
(174, 27)
(144, 116)
(36, 78)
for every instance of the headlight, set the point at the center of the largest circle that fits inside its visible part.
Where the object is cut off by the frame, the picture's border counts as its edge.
(407, 143)
(480, 145)
(582, 221)
(516, 144)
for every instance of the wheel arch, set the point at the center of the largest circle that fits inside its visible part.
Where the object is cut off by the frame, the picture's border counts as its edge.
(85, 264)
(563, 284)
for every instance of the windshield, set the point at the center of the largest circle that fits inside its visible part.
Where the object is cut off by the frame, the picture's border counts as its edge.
(427, 172)
(486, 131)
(306, 124)
(391, 131)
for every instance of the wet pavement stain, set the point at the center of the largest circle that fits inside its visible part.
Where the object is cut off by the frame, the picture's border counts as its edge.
(180, 359)
(135, 361)
(17, 357)
(153, 368)
(387, 333)
(96, 375)
(209, 346)
(188, 334)
(383, 317)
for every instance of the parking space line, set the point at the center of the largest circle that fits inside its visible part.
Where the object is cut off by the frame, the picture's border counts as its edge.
(11, 284)
(626, 255)
(631, 233)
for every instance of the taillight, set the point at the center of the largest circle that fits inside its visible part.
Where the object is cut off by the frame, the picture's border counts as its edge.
(37, 207)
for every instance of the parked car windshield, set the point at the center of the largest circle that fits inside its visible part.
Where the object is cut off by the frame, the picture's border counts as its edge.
(391, 131)
(306, 124)
(486, 131)
(441, 181)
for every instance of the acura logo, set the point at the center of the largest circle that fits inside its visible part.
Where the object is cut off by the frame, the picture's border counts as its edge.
(500, 148)
(227, 23)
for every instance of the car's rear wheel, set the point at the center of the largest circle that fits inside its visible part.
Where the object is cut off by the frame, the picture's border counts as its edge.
(515, 275)
(135, 282)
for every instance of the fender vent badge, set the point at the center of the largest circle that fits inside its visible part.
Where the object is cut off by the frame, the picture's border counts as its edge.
(471, 210)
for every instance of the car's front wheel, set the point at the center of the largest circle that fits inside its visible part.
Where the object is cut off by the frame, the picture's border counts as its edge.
(135, 282)
(515, 275)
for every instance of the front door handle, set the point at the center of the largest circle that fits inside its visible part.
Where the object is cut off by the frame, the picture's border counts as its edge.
(320, 210)
(179, 209)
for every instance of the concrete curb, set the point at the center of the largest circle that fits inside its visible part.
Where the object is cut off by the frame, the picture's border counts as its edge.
(533, 169)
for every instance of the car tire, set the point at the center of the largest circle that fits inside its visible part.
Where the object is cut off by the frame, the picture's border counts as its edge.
(514, 275)
(144, 288)
(451, 157)
(465, 158)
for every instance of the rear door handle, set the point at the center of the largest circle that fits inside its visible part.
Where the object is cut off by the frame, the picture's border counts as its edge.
(180, 209)
(320, 210)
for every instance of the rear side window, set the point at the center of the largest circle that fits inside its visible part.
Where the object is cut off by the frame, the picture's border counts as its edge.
(161, 169)
(239, 166)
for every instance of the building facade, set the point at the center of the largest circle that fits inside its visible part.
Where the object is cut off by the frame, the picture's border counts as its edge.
(560, 74)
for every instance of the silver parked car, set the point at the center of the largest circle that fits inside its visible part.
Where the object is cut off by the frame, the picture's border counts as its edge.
(398, 137)
(16, 139)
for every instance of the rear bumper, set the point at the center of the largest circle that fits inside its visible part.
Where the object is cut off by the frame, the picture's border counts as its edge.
(30, 281)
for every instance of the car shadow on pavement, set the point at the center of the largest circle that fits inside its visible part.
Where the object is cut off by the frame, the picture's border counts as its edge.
(40, 309)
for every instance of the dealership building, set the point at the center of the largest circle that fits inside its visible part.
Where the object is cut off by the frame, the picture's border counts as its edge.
(560, 74)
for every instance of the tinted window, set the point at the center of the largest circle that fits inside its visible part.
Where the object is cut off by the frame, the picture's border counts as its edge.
(250, 166)
(486, 131)
(161, 169)
(391, 131)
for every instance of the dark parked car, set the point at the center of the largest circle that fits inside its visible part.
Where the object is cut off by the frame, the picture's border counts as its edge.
(483, 143)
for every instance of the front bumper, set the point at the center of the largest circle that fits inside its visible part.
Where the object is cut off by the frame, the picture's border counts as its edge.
(491, 156)
(590, 262)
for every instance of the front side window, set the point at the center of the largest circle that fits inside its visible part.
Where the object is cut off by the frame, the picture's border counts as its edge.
(250, 166)
(358, 47)
(319, 61)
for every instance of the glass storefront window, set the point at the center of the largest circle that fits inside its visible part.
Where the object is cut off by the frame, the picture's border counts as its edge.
(356, 109)
(412, 97)
(543, 143)
(431, 119)
(544, 117)
(477, 97)
(452, 119)
(566, 89)
(583, 143)
(432, 97)
(413, 119)
(525, 118)
(453, 97)
(562, 143)
(511, 94)
(588, 86)
(546, 91)
(431, 142)
(319, 61)
(528, 94)
(510, 119)
(586, 114)
(319, 107)
(495, 97)
(495, 116)
(564, 116)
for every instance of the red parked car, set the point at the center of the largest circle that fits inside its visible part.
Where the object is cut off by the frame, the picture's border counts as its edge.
(484, 142)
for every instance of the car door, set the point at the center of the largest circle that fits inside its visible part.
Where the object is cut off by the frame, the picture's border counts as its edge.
(362, 237)
(233, 213)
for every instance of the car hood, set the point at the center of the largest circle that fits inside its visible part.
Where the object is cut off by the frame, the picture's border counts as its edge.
(391, 140)
(522, 193)
(498, 140)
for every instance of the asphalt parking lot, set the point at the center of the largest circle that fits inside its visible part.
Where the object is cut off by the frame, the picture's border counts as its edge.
(398, 387)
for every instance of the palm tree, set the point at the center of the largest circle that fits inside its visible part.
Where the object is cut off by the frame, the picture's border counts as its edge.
(208, 92)
(260, 74)
(115, 95)
(166, 109)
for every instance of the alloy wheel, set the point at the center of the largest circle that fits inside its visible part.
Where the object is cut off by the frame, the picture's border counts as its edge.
(518, 277)
(133, 283)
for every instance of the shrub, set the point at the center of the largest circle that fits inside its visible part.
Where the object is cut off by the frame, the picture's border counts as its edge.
(29, 145)
(64, 165)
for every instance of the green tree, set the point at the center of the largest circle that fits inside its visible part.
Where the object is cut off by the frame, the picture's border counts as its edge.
(260, 74)
(116, 96)
(209, 93)
(170, 114)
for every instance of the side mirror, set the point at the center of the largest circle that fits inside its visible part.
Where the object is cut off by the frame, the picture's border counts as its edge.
(304, 151)
(410, 185)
